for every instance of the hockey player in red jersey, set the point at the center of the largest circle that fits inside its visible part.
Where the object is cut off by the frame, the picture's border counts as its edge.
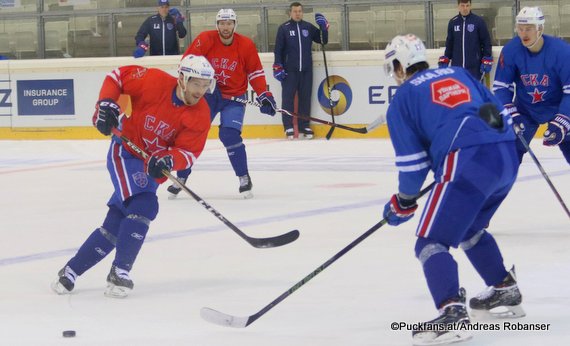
(236, 62)
(170, 120)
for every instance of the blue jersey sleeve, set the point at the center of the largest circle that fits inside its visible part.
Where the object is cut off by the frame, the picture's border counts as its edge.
(564, 76)
(505, 75)
(412, 158)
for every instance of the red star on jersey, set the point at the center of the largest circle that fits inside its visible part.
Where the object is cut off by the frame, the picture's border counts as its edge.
(152, 146)
(222, 77)
(537, 96)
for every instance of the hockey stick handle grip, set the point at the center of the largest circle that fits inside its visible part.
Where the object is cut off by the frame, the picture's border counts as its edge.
(317, 120)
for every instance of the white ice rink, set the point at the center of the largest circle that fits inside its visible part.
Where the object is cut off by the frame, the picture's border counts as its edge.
(54, 195)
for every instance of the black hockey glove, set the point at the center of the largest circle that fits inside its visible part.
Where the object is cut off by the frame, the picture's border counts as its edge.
(106, 116)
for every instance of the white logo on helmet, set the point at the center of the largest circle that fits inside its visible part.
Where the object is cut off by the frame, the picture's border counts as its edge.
(198, 67)
(530, 15)
(407, 49)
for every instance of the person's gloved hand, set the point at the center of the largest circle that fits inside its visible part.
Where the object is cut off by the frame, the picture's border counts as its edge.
(106, 116)
(557, 130)
(443, 62)
(279, 73)
(322, 21)
(175, 13)
(158, 163)
(486, 64)
(518, 123)
(141, 49)
(268, 104)
(399, 210)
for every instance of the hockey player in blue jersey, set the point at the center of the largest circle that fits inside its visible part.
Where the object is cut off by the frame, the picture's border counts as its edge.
(538, 66)
(445, 121)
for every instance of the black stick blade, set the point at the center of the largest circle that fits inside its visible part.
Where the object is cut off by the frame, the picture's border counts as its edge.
(276, 241)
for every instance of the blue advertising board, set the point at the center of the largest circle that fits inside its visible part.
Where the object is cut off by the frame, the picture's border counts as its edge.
(45, 97)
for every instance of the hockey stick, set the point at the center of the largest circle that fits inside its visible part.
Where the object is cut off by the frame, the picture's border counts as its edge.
(255, 242)
(284, 111)
(329, 134)
(541, 169)
(226, 320)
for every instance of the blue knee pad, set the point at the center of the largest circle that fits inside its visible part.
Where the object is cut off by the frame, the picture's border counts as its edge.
(144, 204)
(440, 270)
(231, 138)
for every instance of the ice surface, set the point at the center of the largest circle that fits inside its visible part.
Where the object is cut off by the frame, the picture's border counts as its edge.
(54, 195)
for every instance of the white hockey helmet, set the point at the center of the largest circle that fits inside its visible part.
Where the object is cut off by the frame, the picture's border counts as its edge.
(407, 49)
(530, 15)
(226, 14)
(197, 66)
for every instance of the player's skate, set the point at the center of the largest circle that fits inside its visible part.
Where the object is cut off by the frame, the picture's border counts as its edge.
(175, 190)
(501, 301)
(447, 328)
(245, 186)
(119, 284)
(307, 133)
(65, 281)
(290, 134)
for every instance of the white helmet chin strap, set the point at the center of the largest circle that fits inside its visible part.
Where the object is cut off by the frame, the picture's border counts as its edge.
(538, 36)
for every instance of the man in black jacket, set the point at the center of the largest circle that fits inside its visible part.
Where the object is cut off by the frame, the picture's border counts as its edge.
(164, 29)
(293, 65)
(468, 43)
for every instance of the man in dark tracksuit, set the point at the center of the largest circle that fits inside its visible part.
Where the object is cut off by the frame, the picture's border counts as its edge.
(468, 43)
(164, 29)
(293, 65)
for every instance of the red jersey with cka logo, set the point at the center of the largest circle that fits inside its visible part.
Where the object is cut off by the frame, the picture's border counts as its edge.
(160, 123)
(235, 64)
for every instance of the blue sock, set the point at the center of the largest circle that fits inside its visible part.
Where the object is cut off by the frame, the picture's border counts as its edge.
(141, 210)
(231, 138)
(98, 244)
(486, 257)
(440, 270)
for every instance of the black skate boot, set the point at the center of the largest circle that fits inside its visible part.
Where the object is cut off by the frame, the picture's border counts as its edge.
(174, 190)
(65, 281)
(307, 133)
(245, 186)
(119, 284)
(501, 301)
(449, 327)
(290, 133)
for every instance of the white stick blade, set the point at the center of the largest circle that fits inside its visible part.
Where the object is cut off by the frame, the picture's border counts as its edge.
(222, 319)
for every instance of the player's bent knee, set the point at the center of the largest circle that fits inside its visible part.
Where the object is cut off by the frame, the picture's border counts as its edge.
(143, 206)
(230, 137)
(474, 240)
(426, 248)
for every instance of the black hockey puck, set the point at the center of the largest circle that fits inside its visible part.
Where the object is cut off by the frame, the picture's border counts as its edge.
(68, 333)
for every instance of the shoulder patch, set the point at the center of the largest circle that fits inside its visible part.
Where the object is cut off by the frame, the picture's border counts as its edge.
(449, 92)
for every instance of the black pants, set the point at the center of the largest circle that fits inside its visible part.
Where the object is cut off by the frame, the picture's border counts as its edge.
(300, 83)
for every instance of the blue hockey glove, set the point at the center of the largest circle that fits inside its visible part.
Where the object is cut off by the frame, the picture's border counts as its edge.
(142, 47)
(443, 62)
(175, 13)
(279, 73)
(106, 116)
(157, 163)
(321, 21)
(518, 123)
(486, 64)
(557, 130)
(268, 105)
(399, 210)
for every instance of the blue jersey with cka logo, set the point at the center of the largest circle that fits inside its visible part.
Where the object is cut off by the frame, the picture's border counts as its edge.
(434, 112)
(294, 42)
(541, 80)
